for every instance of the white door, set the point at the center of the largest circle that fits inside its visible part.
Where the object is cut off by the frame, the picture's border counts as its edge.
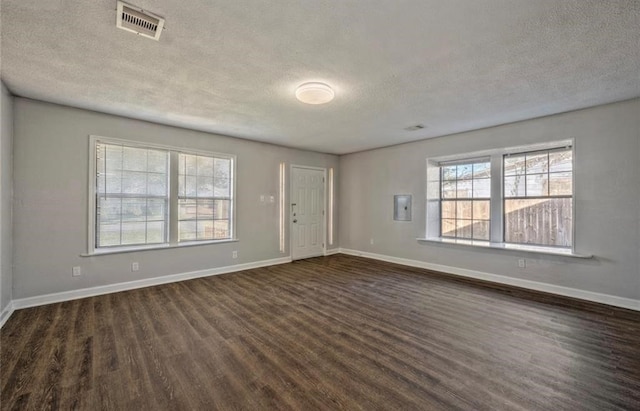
(307, 212)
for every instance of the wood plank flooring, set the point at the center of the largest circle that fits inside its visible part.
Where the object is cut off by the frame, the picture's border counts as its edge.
(327, 333)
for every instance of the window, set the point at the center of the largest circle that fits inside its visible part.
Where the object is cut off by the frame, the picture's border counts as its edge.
(538, 197)
(521, 196)
(204, 197)
(465, 200)
(133, 197)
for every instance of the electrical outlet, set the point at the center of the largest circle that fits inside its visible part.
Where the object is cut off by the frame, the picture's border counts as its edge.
(76, 271)
(135, 266)
(522, 263)
(371, 241)
(234, 254)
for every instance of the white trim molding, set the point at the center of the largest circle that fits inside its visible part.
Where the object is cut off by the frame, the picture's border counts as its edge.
(332, 251)
(608, 299)
(6, 313)
(132, 285)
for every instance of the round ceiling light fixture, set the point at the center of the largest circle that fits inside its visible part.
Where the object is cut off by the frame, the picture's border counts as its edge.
(314, 93)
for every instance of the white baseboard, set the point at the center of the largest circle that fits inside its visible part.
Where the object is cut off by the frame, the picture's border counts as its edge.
(6, 313)
(132, 285)
(517, 282)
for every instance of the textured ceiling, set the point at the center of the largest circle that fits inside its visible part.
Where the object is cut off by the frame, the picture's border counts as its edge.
(231, 67)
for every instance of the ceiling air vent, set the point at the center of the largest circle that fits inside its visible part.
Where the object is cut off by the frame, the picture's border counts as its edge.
(139, 21)
(414, 128)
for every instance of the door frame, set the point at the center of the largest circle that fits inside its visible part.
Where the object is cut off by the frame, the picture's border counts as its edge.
(324, 207)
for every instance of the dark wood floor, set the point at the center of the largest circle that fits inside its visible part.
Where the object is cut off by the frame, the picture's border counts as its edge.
(337, 332)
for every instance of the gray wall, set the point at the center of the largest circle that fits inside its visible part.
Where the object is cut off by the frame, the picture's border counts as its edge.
(51, 149)
(6, 171)
(607, 196)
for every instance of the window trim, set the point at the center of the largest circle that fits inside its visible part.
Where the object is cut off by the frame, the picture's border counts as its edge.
(497, 223)
(172, 234)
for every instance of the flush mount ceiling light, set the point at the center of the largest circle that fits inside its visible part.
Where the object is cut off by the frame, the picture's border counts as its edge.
(314, 93)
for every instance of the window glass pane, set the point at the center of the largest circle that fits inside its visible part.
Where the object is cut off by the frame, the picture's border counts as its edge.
(156, 209)
(157, 184)
(222, 187)
(113, 181)
(205, 166)
(187, 230)
(205, 230)
(539, 221)
(101, 182)
(514, 165)
(514, 186)
(113, 157)
(537, 163)
(109, 210)
(134, 182)
(482, 187)
(155, 232)
(482, 170)
(222, 209)
(537, 185)
(182, 159)
(480, 230)
(449, 189)
(181, 185)
(448, 209)
(134, 209)
(191, 186)
(134, 159)
(205, 209)
(463, 228)
(560, 184)
(134, 233)
(463, 209)
(157, 161)
(448, 228)
(221, 229)
(561, 161)
(481, 210)
(108, 235)
(464, 171)
(205, 186)
(464, 189)
(222, 168)
(449, 173)
(187, 209)
(190, 164)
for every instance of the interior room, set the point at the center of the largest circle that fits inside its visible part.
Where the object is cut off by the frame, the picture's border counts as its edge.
(320, 205)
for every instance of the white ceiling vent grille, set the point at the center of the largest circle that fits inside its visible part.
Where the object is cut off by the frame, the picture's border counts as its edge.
(139, 21)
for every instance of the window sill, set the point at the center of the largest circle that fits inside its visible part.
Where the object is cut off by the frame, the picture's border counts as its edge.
(156, 247)
(565, 252)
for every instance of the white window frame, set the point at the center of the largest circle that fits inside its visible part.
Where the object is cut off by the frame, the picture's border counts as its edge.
(496, 238)
(172, 235)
